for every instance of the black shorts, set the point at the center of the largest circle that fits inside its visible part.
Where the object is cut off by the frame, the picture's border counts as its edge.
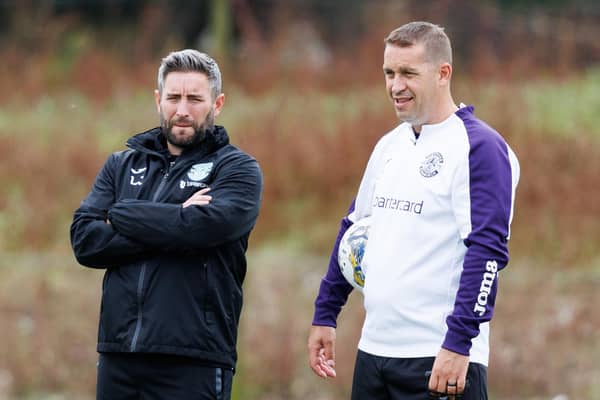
(131, 376)
(383, 378)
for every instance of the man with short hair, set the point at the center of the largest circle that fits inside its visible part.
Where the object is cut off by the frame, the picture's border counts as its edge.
(439, 189)
(169, 219)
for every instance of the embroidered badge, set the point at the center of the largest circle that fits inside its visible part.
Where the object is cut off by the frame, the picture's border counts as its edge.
(432, 165)
(195, 175)
(199, 171)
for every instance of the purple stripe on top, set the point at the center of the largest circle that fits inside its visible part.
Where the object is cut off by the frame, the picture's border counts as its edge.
(490, 186)
(334, 290)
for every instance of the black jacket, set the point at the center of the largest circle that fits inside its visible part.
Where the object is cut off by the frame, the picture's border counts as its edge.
(173, 281)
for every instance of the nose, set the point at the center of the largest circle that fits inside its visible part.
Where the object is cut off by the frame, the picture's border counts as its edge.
(398, 84)
(182, 109)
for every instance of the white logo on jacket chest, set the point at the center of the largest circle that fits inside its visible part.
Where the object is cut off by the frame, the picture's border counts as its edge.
(197, 173)
(432, 165)
(137, 177)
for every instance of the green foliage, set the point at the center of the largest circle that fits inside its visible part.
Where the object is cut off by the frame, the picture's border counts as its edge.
(221, 26)
(568, 108)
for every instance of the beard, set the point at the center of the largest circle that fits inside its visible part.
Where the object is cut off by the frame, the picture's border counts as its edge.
(198, 136)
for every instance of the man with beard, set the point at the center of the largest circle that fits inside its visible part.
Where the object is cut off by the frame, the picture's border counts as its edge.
(169, 221)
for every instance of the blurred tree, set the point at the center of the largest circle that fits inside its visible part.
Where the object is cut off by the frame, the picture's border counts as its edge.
(560, 6)
(100, 11)
(221, 27)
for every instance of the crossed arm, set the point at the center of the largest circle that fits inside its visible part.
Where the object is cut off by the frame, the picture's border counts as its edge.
(106, 232)
(98, 244)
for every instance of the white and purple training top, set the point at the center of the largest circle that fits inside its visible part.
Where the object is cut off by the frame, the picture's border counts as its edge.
(441, 207)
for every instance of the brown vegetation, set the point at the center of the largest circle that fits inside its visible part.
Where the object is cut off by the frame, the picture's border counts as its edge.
(70, 97)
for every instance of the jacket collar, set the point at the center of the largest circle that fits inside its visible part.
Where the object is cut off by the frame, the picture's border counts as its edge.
(153, 141)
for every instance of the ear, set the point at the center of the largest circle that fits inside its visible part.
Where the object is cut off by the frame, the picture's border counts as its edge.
(445, 73)
(157, 99)
(220, 100)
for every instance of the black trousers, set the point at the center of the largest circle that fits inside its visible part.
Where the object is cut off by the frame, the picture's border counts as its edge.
(383, 378)
(126, 376)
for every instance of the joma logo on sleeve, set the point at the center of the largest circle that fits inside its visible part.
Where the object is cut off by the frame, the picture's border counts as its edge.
(486, 287)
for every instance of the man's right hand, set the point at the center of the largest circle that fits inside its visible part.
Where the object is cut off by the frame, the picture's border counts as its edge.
(321, 350)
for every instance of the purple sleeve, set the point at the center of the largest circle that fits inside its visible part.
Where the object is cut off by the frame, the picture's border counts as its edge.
(334, 289)
(491, 191)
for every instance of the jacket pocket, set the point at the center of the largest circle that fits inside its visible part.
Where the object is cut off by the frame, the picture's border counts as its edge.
(118, 305)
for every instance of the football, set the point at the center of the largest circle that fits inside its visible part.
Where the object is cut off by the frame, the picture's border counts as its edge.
(351, 252)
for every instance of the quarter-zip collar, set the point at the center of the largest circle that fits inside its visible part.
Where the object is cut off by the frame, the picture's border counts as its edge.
(428, 129)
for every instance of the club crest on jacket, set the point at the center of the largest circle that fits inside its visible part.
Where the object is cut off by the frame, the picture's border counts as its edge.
(197, 173)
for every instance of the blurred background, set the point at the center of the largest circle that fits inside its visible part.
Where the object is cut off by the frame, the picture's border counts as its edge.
(305, 96)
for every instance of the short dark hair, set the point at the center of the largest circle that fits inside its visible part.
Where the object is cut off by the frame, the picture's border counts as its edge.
(190, 60)
(436, 42)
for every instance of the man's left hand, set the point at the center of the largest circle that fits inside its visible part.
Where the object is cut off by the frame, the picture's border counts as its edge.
(449, 373)
(200, 198)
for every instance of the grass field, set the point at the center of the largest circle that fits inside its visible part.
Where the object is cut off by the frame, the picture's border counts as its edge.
(544, 335)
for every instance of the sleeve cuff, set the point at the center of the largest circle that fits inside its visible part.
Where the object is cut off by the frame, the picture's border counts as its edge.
(457, 343)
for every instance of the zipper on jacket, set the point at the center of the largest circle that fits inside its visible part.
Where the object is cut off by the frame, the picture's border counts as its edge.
(207, 309)
(140, 285)
(163, 181)
(138, 324)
